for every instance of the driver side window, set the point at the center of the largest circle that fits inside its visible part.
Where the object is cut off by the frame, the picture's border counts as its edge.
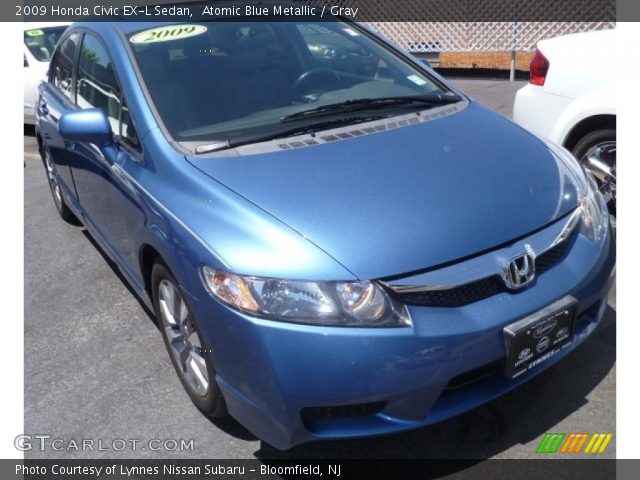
(96, 85)
(62, 69)
(128, 134)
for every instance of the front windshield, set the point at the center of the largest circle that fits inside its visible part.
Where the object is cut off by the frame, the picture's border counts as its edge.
(220, 81)
(42, 41)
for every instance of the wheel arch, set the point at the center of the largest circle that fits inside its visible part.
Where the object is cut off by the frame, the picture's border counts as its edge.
(151, 251)
(587, 125)
(148, 255)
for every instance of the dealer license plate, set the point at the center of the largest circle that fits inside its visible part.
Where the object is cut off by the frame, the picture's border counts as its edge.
(538, 337)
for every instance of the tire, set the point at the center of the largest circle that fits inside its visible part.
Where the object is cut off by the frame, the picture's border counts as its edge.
(181, 333)
(56, 191)
(593, 139)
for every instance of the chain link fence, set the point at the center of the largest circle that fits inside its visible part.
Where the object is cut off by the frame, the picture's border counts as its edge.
(426, 37)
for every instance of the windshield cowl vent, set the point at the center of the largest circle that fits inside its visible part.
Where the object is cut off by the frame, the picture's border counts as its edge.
(375, 126)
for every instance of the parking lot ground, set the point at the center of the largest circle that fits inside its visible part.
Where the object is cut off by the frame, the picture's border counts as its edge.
(497, 94)
(96, 366)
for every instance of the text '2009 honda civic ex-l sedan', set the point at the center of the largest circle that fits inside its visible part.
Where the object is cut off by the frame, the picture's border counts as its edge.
(336, 242)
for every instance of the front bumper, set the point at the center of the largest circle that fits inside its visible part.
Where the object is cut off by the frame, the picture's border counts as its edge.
(290, 384)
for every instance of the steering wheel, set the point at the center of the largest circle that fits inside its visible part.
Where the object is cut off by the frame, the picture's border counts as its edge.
(316, 80)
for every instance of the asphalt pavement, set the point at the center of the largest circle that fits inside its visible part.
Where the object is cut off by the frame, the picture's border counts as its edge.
(96, 367)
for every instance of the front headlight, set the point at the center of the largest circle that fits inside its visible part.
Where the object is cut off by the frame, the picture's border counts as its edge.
(594, 211)
(591, 205)
(341, 304)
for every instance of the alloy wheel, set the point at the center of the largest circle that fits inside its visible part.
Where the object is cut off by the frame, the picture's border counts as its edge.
(53, 181)
(183, 339)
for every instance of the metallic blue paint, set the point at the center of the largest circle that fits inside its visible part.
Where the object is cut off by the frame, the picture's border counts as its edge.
(88, 126)
(443, 190)
(386, 204)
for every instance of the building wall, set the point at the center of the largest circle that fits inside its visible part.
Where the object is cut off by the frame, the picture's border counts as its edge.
(491, 60)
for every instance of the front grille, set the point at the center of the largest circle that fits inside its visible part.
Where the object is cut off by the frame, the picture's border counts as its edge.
(456, 297)
(552, 257)
(480, 289)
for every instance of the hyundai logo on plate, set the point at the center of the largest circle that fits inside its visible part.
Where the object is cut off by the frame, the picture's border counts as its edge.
(524, 354)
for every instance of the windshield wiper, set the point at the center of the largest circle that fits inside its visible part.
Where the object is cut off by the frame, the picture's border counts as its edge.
(291, 132)
(431, 99)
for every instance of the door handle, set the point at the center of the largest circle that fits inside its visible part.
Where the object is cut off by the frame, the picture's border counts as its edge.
(70, 145)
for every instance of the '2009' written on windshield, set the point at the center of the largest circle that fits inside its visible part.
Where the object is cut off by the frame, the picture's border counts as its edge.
(167, 33)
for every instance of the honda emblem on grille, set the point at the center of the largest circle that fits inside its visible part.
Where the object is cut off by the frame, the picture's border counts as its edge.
(521, 270)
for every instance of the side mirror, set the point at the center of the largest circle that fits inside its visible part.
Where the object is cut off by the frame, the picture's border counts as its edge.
(87, 126)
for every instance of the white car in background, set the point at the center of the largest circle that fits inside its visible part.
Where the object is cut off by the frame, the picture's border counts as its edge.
(40, 40)
(571, 100)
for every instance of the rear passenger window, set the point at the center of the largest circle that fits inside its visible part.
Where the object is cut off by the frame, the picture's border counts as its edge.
(63, 67)
(96, 85)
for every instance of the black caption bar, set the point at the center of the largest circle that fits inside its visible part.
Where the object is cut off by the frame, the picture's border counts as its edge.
(310, 469)
(358, 10)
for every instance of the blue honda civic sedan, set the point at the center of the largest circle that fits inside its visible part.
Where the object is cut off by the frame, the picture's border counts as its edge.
(336, 242)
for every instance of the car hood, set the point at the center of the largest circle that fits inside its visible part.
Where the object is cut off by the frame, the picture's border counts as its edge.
(411, 198)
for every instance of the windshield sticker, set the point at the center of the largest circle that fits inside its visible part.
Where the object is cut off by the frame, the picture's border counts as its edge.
(416, 79)
(34, 33)
(167, 33)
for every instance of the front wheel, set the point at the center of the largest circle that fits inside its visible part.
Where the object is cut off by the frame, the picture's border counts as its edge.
(183, 341)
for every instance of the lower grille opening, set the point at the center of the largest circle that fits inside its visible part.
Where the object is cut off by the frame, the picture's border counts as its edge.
(590, 313)
(467, 378)
(342, 411)
(475, 375)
